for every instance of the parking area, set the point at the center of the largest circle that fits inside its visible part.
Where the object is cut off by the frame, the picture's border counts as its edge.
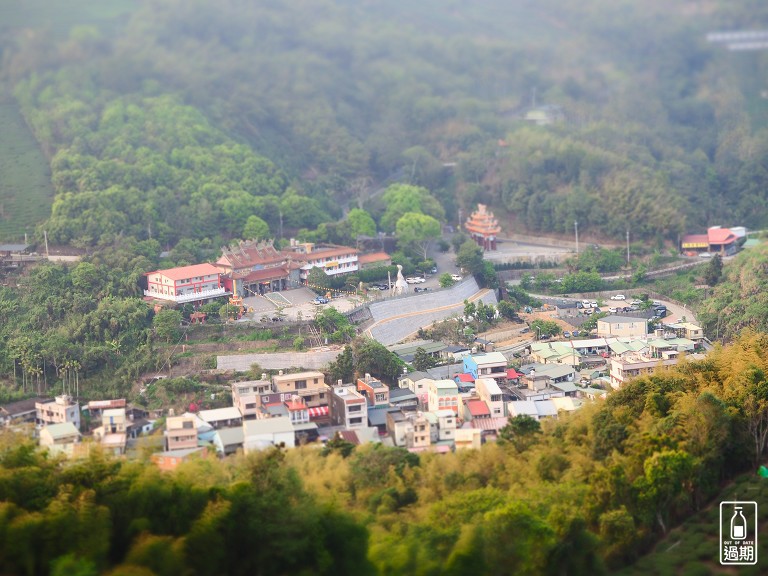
(300, 305)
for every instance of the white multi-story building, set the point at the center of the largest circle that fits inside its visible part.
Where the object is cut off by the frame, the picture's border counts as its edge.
(490, 393)
(349, 408)
(185, 284)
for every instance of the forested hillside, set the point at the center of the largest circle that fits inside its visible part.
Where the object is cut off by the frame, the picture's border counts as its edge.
(583, 494)
(231, 108)
(740, 300)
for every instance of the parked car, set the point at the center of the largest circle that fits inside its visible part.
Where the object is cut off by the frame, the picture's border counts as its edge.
(575, 333)
(705, 255)
(433, 270)
(566, 334)
(320, 300)
(415, 280)
(456, 278)
(636, 302)
(420, 289)
(613, 310)
(618, 297)
(579, 305)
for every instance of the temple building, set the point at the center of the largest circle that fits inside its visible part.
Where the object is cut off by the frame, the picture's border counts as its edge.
(483, 227)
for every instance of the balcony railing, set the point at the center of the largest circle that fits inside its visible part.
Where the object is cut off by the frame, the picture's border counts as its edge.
(190, 297)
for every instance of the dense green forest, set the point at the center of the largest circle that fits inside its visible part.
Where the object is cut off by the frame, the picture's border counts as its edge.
(187, 117)
(583, 494)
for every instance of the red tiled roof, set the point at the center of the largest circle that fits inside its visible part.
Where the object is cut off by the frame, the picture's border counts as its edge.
(512, 373)
(465, 378)
(375, 257)
(720, 236)
(694, 239)
(250, 254)
(184, 272)
(295, 406)
(489, 423)
(478, 408)
(350, 436)
(276, 273)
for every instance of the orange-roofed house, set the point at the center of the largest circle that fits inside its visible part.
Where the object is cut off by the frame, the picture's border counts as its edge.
(185, 284)
(375, 260)
(483, 227)
(722, 240)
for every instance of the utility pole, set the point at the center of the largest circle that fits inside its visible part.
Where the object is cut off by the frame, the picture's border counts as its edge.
(627, 246)
(45, 235)
(576, 228)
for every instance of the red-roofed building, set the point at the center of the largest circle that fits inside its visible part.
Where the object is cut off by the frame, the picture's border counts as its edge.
(297, 410)
(717, 240)
(513, 374)
(476, 408)
(257, 268)
(464, 377)
(695, 242)
(483, 227)
(185, 284)
(721, 240)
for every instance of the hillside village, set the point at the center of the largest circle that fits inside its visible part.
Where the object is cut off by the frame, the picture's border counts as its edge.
(469, 396)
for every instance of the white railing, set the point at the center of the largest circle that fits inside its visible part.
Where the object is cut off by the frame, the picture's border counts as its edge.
(191, 297)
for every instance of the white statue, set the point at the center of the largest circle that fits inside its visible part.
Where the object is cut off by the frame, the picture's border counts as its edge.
(400, 286)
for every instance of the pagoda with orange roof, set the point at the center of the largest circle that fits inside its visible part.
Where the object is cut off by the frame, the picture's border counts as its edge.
(483, 227)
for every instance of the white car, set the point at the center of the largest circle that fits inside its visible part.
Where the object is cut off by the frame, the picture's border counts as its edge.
(455, 277)
(415, 280)
(618, 297)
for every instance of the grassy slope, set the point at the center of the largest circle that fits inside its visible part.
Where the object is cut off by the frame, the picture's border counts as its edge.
(693, 547)
(25, 185)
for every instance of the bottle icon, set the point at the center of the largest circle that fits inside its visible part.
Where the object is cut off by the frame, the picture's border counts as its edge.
(738, 524)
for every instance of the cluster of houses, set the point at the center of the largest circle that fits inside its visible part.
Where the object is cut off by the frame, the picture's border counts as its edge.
(251, 267)
(446, 408)
(60, 421)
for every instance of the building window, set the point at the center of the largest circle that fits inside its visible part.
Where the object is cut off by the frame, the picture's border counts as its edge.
(188, 425)
(356, 408)
(355, 420)
(321, 395)
(301, 384)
